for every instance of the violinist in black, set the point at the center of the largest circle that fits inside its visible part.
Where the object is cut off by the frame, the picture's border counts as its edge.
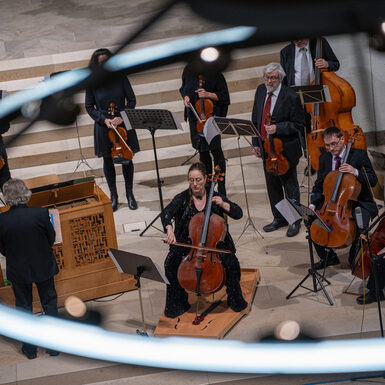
(5, 175)
(97, 104)
(181, 209)
(214, 88)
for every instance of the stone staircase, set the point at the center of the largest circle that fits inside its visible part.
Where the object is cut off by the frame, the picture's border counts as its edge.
(47, 148)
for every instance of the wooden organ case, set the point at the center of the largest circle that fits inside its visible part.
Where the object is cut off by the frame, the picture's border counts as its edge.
(88, 232)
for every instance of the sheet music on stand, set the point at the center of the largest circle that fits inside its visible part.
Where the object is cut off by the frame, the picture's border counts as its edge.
(309, 215)
(313, 94)
(228, 126)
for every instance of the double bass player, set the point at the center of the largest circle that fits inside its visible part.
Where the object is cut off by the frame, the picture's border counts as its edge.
(356, 161)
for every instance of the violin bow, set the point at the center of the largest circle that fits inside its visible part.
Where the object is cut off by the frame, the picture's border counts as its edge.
(369, 187)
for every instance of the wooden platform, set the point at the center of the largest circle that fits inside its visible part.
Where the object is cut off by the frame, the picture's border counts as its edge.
(219, 321)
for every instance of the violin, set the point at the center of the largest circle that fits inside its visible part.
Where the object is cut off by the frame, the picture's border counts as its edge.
(204, 108)
(202, 271)
(340, 190)
(336, 113)
(121, 152)
(276, 163)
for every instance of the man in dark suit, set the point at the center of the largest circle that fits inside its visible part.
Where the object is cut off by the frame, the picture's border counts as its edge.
(332, 160)
(285, 108)
(298, 60)
(291, 61)
(26, 239)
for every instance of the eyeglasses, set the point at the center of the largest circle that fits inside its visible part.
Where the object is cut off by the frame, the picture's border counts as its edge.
(272, 78)
(332, 144)
(197, 180)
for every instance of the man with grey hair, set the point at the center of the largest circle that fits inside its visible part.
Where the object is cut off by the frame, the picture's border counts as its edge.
(26, 239)
(284, 107)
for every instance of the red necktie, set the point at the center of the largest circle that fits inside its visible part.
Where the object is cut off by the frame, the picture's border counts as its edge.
(266, 111)
(338, 162)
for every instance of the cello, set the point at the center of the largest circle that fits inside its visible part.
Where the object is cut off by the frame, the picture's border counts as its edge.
(202, 271)
(336, 113)
(340, 190)
(276, 163)
(121, 152)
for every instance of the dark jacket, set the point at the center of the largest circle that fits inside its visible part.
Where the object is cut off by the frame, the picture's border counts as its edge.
(358, 159)
(287, 57)
(289, 118)
(26, 239)
(97, 104)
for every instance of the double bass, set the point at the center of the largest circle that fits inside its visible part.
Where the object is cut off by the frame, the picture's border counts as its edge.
(336, 113)
(275, 162)
(121, 152)
(340, 190)
(202, 271)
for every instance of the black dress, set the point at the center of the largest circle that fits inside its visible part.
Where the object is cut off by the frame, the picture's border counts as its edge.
(97, 103)
(179, 210)
(4, 172)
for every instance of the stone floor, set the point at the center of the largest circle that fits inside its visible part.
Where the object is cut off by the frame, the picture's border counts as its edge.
(283, 262)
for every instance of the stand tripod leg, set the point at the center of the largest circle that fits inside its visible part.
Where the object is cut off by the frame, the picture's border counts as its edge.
(317, 277)
(152, 130)
(188, 159)
(300, 284)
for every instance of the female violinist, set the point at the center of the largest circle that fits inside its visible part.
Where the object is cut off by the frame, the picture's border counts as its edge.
(212, 88)
(181, 209)
(331, 160)
(120, 93)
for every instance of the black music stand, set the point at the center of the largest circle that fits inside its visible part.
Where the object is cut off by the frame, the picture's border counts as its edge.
(309, 216)
(139, 266)
(152, 120)
(235, 127)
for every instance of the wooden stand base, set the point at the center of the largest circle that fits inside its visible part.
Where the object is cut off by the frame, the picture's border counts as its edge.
(217, 323)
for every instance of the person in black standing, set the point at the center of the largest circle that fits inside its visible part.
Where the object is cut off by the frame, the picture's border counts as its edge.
(214, 87)
(119, 92)
(284, 106)
(26, 239)
(298, 60)
(5, 175)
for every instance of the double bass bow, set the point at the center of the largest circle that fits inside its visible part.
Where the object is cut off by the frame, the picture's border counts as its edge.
(275, 162)
(340, 190)
(121, 152)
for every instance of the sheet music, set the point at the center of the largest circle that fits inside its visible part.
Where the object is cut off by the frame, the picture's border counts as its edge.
(288, 211)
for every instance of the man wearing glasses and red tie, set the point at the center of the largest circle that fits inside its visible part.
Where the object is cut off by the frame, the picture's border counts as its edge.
(282, 104)
(356, 161)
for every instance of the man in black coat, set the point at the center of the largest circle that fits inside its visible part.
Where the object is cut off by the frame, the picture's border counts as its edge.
(299, 61)
(26, 239)
(285, 108)
(332, 160)
(290, 58)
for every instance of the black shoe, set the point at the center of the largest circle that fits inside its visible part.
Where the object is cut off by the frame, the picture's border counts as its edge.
(332, 260)
(131, 201)
(114, 202)
(52, 353)
(275, 225)
(293, 229)
(29, 354)
(369, 298)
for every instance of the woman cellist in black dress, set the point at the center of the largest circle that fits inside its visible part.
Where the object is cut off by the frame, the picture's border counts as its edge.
(97, 105)
(181, 209)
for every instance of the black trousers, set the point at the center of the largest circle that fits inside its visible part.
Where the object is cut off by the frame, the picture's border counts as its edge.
(354, 248)
(279, 187)
(380, 266)
(48, 300)
(110, 174)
